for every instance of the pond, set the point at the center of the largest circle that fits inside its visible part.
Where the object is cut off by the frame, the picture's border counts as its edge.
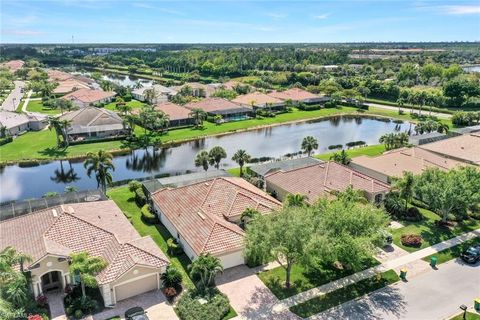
(20, 182)
(121, 79)
(475, 68)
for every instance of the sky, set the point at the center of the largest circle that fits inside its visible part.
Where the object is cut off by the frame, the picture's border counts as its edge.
(229, 21)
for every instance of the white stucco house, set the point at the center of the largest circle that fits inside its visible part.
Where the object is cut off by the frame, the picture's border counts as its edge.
(160, 93)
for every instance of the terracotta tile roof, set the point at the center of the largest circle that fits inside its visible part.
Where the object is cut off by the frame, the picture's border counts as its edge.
(13, 65)
(294, 94)
(100, 228)
(174, 111)
(201, 212)
(415, 160)
(89, 95)
(57, 75)
(69, 85)
(214, 104)
(321, 179)
(257, 98)
(464, 148)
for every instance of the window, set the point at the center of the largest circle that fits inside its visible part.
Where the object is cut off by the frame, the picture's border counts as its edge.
(378, 198)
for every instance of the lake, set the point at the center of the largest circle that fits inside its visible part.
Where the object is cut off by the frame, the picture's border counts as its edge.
(20, 182)
(475, 68)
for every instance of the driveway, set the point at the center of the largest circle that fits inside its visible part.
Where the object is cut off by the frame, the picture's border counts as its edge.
(154, 302)
(13, 100)
(250, 298)
(432, 295)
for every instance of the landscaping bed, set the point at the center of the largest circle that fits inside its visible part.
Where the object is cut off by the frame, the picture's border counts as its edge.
(208, 305)
(350, 292)
(76, 306)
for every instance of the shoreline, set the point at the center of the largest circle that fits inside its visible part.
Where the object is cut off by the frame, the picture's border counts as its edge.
(169, 143)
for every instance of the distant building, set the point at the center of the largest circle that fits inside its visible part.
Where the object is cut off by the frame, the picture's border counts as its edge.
(178, 115)
(297, 95)
(229, 110)
(94, 123)
(258, 100)
(17, 123)
(161, 93)
(88, 97)
(13, 65)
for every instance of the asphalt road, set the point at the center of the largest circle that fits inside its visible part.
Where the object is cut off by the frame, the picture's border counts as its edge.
(425, 111)
(13, 100)
(434, 295)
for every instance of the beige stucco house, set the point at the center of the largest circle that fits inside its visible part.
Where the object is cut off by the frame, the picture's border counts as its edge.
(100, 228)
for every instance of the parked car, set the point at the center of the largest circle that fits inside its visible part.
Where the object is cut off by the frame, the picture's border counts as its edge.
(472, 254)
(136, 313)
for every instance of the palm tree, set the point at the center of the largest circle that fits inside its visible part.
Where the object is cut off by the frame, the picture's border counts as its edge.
(400, 102)
(138, 85)
(64, 124)
(163, 120)
(443, 128)
(54, 123)
(204, 269)
(124, 108)
(405, 186)
(241, 157)
(86, 267)
(149, 95)
(295, 200)
(341, 157)
(198, 115)
(202, 160)
(309, 144)
(10, 257)
(101, 164)
(216, 155)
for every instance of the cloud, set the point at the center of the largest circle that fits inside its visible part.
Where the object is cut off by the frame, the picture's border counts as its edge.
(321, 16)
(276, 15)
(17, 32)
(461, 10)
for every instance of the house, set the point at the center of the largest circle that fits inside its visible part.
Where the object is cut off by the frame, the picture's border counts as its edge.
(204, 216)
(51, 235)
(465, 148)
(13, 65)
(261, 170)
(94, 123)
(258, 100)
(161, 93)
(69, 85)
(199, 89)
(323, 180)
(88, 97)
(179, 116)
(392, 164)
(420, 139)
(17, 123)
(297, 95)
(229, 110)
(58, 75)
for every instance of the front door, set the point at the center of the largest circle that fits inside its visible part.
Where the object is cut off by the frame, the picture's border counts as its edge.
(51, 281)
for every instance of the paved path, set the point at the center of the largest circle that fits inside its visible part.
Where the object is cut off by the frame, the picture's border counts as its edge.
(55, 303)
(432, 296)
(425, 111)
(13, 100)
(391, 264)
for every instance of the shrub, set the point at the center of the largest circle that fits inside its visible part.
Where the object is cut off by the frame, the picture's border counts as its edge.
(335, 146)
(5, 140)
(411, 240)
(34, 317)
(78, 314)
(140, 197)
(172, 277)
(330, 104)
(42, 300)
(127, 97)
(148, 216)
(413, 214)
(174, 247)
(190, 308)
(134, 185)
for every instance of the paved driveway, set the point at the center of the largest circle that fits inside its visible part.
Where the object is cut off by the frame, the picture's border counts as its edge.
(153, 302)
(431, 296)
(250, 298)
(13, 100)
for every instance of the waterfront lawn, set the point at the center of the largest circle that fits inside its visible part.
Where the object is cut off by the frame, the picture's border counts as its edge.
(235, 171)
(303, 280)
(406, 116)
(126, 202)
(135, 104)
(342, 295)
(371, 151)
(37, 106)
(431, 233)
(453, 252)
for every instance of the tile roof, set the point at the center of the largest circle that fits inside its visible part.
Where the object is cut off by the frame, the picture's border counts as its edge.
(13, 65)
(201, 211)
(100, 228)
(158, 89)
(57, 75)
(214, 104)
(69, 85)
(89, 95)
(321, 179)
(257, 98)
(464, 148)
(415, 160)
(91, 118)
(294, 94)
(174, 111)
(285, 165)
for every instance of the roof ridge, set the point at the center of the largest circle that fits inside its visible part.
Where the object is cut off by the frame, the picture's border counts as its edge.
(357, 173)
(208, 192)
(264, 196)
(145, 237)
(296, 169)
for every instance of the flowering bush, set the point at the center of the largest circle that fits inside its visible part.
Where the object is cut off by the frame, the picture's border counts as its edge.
(34, 317)
(42, 300)
(411, 240)
(170, 292)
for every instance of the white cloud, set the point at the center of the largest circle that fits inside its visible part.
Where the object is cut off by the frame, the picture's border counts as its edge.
(461, 10)
(321, 16)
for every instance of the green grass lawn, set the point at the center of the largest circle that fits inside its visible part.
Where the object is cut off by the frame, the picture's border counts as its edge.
(20, 106)
(374, 150)
(135, 104)
(235, 171)
(126, 202)
(350, 292)
(37, 106)
(429, 231)
(303, 280)
(453, 252)
(470, 316)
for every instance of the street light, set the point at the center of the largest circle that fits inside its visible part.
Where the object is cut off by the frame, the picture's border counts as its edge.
(464, 309)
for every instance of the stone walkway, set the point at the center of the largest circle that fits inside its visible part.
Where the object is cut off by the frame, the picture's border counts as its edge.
(55, 302)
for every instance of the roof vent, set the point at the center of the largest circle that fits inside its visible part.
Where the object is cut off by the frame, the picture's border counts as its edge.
(201, 215)
(55, 213)
(206, 183)
(70, 210)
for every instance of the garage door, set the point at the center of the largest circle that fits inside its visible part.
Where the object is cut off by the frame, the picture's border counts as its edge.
(135, 287)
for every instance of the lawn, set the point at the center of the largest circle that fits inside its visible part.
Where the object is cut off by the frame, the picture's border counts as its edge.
(470, 316)
(135, 104)
(126, 202)
(235, 171)
(374, 150)
(303, 280)
(350, 292)
(430, 232)
(37, 106)
(453, 252)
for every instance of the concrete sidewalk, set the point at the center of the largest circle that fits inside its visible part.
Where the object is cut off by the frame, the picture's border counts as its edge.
(406, 110)
(392, 264)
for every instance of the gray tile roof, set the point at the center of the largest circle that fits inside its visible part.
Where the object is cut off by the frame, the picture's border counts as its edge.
(285, 165)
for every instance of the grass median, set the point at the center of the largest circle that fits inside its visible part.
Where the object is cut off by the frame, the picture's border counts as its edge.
(453, 252)
(350, 292)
